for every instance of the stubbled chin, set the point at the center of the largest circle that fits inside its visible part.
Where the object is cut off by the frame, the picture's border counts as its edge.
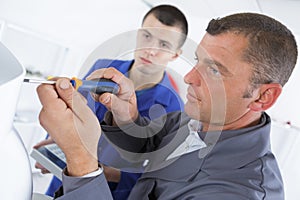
(192, 110)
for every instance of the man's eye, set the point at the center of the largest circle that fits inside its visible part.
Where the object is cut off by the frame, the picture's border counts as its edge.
(214, 72)
(164, 45)
(146, 35)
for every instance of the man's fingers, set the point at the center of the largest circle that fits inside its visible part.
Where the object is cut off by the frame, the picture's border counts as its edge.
(42, 168)
(72, 98)
(43, 143)
(65, 91)
(105, 99)
(84, 116)
(46, 93)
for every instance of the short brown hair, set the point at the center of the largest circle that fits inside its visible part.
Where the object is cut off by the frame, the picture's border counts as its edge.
(272, 48)
(170, 16)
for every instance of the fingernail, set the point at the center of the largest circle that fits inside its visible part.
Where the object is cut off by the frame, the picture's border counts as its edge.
(64, 84)
(106, 100)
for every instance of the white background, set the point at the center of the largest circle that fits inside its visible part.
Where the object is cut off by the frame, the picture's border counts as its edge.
(70, 30)
(55, 37)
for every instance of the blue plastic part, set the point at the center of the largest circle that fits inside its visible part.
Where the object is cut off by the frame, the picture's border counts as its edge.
(73, 82)
(98, 86)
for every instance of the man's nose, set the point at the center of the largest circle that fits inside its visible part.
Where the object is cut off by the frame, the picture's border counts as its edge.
(193, 77)
(152, 48)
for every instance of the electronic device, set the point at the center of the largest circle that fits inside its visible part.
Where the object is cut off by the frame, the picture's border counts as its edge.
(51, 157)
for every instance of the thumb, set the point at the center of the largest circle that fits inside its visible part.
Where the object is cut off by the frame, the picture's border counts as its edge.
(84, 119)
(65, 91)
(105, 99)
(71, 97)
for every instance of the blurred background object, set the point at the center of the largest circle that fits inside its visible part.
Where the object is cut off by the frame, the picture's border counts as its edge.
(15, 171)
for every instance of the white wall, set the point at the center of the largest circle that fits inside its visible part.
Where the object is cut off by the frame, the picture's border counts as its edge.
(80, 26)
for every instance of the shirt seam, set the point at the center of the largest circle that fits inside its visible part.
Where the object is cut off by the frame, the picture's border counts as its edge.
(263, 177)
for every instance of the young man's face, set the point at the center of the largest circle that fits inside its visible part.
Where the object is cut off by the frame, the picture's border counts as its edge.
(157, 44)
(219, 81)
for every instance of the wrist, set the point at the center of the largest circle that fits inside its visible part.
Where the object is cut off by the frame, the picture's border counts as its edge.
(81, 168)
(80, 165)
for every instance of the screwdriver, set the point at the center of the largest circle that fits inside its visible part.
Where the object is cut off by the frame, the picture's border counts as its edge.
(97, 86)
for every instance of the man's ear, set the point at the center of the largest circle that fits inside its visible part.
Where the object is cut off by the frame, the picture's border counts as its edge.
(268, 96)
(176, 55)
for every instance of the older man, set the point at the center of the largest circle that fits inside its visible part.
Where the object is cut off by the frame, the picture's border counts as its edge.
(219, 148)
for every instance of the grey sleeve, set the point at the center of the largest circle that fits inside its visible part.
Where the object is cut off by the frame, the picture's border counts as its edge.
(77, 188)
(144, 135)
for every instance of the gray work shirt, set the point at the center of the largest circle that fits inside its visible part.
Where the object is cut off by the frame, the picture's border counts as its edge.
(235, 164)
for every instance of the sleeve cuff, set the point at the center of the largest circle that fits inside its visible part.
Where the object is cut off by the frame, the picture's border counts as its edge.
(71, 183)
(93, 174)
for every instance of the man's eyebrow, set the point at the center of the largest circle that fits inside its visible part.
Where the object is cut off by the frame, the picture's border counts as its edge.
(223, 69)
(145, 30)
(160, 40)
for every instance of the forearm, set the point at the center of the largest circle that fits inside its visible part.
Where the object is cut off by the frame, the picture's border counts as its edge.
(143, 135)
(134, 133)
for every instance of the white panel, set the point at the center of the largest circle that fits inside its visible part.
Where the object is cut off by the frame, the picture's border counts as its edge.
(33, 51)
(75, 22)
